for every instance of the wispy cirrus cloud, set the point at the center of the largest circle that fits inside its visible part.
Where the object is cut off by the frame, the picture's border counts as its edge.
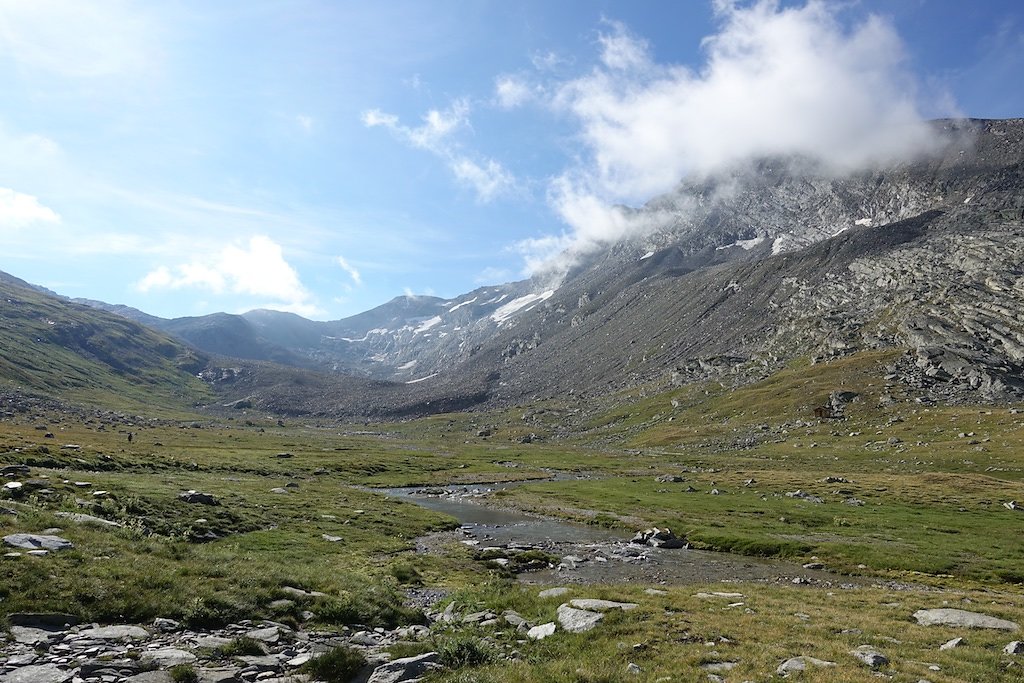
(78, 38)
(486, 177)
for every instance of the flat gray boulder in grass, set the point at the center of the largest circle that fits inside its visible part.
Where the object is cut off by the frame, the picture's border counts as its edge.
(869, 656)
(541, 632)
(405, 670)
(167, 657)
(577, 620)
(803, 663)
(82, 518)
(114, 633)
(961, 619)
(38, 542)
(43, 673)
(553, 592)
(601, 605)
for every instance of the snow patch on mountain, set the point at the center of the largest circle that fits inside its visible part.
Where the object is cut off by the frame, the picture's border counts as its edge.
(505, 312)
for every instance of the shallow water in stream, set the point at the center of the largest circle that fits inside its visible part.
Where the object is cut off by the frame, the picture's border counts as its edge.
(596, 555)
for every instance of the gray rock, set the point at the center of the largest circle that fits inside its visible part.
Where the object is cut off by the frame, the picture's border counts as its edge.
(553, 592)
(150, 677)
(38, 542)
(655, 591)
(279, 490)
(541, 632)
(193, 496)
(218, 675)
(633, 669)
(81, 518)
(365, 638)
(115, 633)
(31, 636)
(43, 673)
(869, 656)
(261, 662)
(962, 619)
(513, 618)
(797, 664)
(1014, 647)
(405, 670)
(270, 635)
(166, 625)
(577, 620)
(601, 605)
(167, 657)
(719, 667)
(22, 659)
(950, 644)
(211, 642)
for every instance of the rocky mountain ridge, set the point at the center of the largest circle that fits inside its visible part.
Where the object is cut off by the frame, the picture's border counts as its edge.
(729, 277)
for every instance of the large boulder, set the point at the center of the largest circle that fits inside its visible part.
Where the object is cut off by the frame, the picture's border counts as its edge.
(38, 542)
(42, 673)
(601, 605)
(406, 669)
(962, 619)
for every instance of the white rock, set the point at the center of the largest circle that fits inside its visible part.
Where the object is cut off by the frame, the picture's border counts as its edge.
(541, 632)
(553, 592)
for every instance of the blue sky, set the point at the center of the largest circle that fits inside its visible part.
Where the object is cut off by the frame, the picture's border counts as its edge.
(322, 157)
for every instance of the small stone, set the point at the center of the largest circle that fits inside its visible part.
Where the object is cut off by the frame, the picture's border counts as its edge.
(553, 592)
(541, 632)
(633, 669)
(870, 657)
(331, 539)
(1014, 647)
(802, 663)
(950, 644)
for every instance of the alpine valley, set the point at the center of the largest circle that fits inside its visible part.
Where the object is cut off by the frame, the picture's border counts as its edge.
(774, 430)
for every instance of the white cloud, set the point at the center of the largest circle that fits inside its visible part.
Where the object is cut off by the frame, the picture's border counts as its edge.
(621, 50)
(488, 181)
(77, 38)
(305, 122)
(776, 81)
(258, 269)
(19, 210)
(352, 272)
(486, 177)
(512, 91)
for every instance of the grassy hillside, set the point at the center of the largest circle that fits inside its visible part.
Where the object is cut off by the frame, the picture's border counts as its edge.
(55, 347)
